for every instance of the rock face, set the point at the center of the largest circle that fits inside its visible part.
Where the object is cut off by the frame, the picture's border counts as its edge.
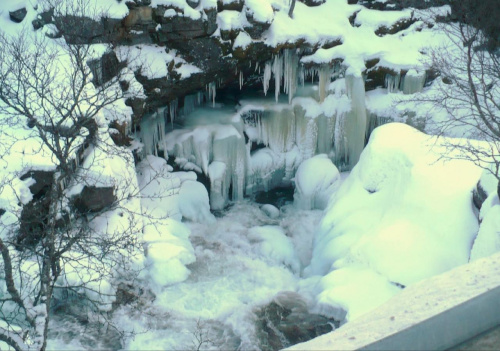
(94, 199)
(286, 321)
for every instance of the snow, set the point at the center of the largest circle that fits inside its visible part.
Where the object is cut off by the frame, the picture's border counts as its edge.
(231, 20)
(242, 41)
(152, 61)
(400, 204)
(273, 244)
(259, 10)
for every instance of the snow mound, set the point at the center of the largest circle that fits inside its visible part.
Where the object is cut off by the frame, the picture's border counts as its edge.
(402, 213)
(315, 182)
(275, 245)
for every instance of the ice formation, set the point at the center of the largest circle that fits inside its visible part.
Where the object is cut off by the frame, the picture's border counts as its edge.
(261, 145)
(411, 82)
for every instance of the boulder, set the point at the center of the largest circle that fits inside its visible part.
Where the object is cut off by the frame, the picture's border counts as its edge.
(18, 15)
(285, 321)
(270, 211)
(95, 199)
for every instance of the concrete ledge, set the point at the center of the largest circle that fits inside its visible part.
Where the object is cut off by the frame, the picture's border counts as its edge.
(438, 313)
(448, 328)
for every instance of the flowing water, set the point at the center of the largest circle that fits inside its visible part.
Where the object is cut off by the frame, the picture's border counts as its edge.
(239, 268)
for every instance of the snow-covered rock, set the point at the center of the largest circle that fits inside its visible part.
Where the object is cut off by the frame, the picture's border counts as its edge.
(315, 182)
(401, 216)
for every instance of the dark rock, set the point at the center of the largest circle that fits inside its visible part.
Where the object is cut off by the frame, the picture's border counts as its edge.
(391, 5)
(118, 133)
(312, 2)
(138, 109)
(178, 28)
(396, 27)
(2, 211)
(95, 199)
(236, 5)
(375, 75)
(193, 3)
(18, 15)
(105, 68)
(286, 321)
(257, 28)
(43, 182)
(33, 221)
(331, 44)
(478, 196)
(43, 19)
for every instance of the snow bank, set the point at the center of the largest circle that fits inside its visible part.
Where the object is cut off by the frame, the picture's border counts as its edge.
(403, 214)
(315, 182)
(167, 197)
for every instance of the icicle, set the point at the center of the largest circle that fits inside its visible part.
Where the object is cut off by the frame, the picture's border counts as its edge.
(278, 73)
(356, 124)
(241, 79)
(392, 82)
(173, 110)
(324, 80)
(212, 90)
(291, 61)
(267, 76)
(190, 102)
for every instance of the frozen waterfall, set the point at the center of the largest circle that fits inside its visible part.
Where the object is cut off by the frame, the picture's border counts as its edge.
(260, 144)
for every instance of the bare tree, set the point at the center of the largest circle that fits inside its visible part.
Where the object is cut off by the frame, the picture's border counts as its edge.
(468, 91)
(49, 100)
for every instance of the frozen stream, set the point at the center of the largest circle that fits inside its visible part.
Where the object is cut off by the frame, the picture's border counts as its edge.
(238, 267)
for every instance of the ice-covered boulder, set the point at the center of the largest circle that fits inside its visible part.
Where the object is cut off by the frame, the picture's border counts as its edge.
(401, 216)
(271, 211)
(315, 182)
